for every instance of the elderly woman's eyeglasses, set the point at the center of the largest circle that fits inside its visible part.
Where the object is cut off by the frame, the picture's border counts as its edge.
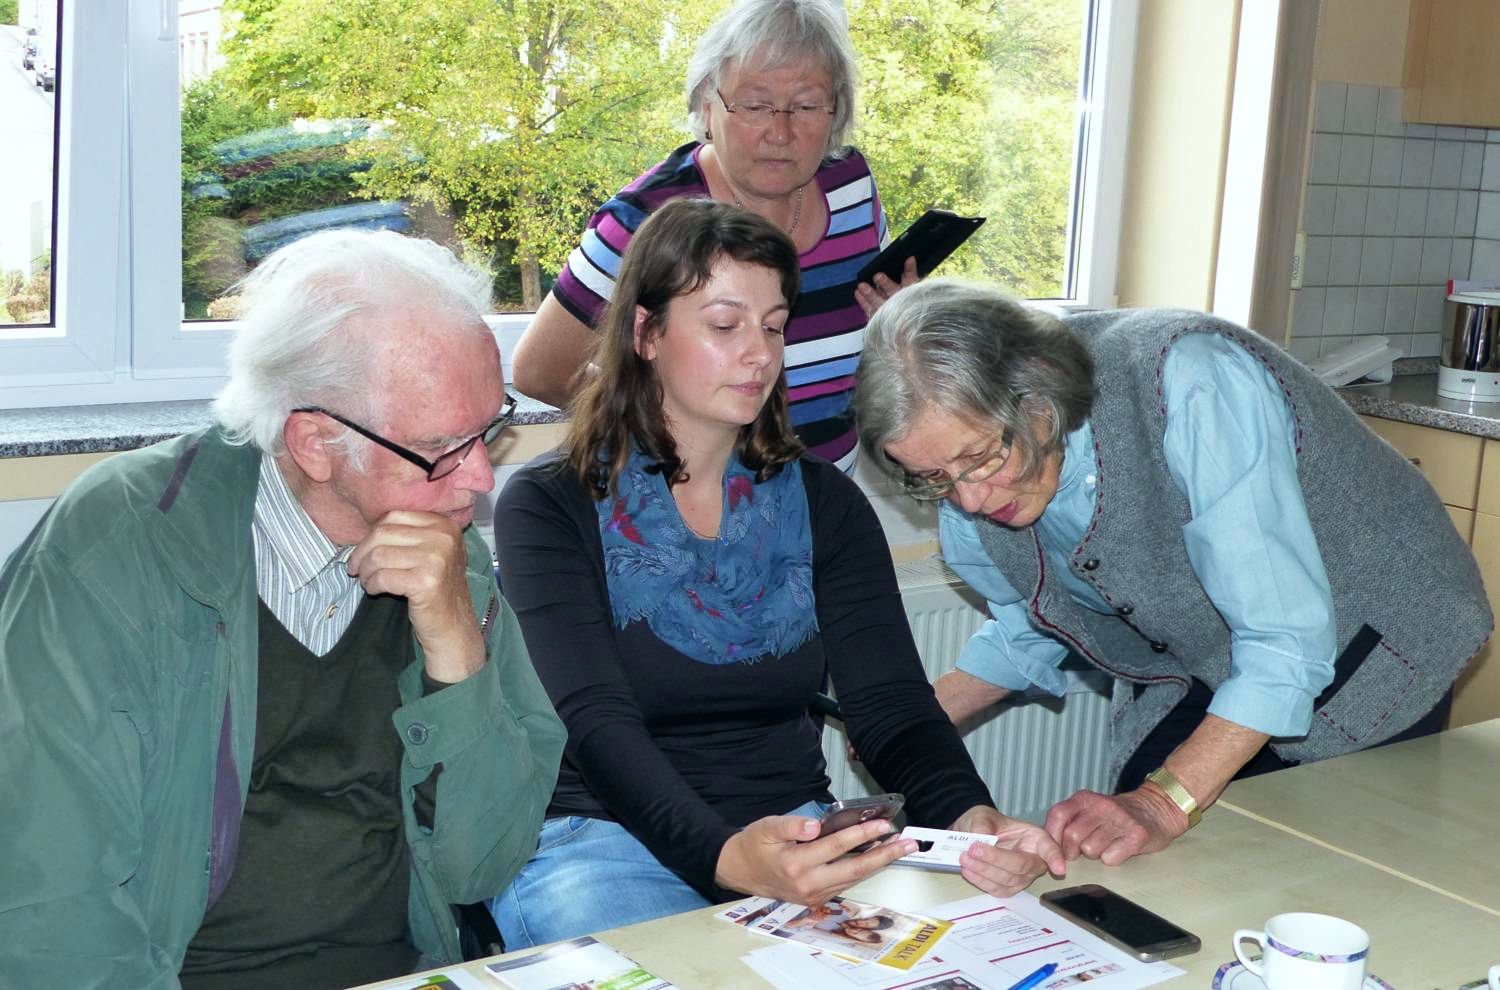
(934, 485)
(445, 463)
(763, 114)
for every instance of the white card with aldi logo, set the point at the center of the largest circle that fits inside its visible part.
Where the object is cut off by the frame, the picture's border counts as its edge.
(939, 848)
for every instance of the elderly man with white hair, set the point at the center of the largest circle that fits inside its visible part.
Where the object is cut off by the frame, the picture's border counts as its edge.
(264, 713)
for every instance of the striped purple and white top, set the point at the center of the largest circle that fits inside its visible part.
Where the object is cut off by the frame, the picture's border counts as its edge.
(826, 329)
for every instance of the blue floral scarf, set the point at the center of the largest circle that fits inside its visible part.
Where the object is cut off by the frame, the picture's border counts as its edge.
(739, 596)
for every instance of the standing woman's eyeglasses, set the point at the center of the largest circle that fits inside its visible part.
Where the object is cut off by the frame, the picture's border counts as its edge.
(445, 463)
(762, 114)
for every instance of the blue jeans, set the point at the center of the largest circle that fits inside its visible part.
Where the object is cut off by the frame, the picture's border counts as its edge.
(589, 875)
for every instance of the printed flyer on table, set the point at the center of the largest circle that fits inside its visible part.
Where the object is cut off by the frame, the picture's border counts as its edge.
(857, 931)
(992, 944)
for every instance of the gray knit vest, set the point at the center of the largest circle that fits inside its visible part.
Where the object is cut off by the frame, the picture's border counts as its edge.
(1394, 560)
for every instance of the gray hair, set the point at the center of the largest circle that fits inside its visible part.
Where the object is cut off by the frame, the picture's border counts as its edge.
(772, 33)
(304, 339)
(970, 351)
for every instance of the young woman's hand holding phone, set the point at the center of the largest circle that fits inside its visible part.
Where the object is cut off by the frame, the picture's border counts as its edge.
(807, 861)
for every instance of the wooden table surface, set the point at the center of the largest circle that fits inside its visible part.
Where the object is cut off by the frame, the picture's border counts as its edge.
(1233, 871)
(1428, 809)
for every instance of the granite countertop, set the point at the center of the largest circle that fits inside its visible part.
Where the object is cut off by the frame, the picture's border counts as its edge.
(100, 429)
(1413, 398)
(1410, 397)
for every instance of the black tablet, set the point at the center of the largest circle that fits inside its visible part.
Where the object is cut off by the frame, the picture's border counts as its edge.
(935, 235)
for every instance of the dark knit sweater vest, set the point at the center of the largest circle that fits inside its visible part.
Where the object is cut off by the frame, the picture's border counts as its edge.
(318, 897)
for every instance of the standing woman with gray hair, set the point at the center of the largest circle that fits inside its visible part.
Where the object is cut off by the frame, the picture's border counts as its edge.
(1186, 507)
(770, 95)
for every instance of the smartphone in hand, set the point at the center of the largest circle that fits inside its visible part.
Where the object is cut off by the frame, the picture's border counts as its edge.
(935, 235)
(842, 814)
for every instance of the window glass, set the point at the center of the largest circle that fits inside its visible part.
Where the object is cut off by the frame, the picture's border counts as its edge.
(499, 128)
(28, 92)
(974, 107)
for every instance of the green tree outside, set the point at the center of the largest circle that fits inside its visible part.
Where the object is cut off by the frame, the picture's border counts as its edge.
(968, 105)
(10, 12)
(212, 256)
(515, 119)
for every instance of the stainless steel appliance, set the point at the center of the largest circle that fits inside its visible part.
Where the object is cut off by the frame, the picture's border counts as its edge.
(1470, 364)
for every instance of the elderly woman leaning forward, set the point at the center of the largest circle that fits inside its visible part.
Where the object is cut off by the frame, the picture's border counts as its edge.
(770, 100)
(1186, 507)
(687, 578)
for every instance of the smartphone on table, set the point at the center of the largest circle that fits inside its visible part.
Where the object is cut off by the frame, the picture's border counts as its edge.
(1121, 922)
(842, 814)
(935, 235)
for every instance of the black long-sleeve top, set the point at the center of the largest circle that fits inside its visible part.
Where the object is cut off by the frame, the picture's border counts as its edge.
(685, 753)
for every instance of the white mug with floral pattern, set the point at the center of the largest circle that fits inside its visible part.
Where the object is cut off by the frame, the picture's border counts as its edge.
(1304, 951)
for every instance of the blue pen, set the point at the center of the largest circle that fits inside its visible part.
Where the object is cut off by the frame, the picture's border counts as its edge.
(1035, 978)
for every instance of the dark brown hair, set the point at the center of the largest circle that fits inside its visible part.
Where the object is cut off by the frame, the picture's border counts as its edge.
(619, 407)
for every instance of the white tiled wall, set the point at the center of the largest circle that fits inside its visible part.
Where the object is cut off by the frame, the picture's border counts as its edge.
(1392, 211)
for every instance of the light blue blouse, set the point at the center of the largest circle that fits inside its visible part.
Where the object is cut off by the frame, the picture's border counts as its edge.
(1230, 446)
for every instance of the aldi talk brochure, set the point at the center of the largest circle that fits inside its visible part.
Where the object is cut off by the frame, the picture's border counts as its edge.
(853, 930)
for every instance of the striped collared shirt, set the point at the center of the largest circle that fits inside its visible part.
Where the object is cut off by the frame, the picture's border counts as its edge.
(299, 573)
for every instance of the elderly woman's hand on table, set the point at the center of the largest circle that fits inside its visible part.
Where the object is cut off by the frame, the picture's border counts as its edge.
(1021, 852)
(1114, 828)
(1146, 820)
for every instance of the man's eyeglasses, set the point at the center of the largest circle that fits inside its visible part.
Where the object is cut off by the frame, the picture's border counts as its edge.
(804, 115)
(445, 463)
(936, 485)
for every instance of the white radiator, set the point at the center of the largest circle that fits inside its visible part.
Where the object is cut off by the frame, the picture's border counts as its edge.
(1032, 752)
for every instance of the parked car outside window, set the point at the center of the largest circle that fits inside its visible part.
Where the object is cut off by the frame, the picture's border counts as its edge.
(46, 72)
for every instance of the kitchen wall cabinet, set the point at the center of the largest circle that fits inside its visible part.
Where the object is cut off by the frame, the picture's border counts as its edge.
(1465, 472)
(1449, 74)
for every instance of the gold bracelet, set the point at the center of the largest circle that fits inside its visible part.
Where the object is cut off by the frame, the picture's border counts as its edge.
(1168, 782)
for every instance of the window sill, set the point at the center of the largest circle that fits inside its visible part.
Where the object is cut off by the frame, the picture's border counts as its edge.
(128, 425)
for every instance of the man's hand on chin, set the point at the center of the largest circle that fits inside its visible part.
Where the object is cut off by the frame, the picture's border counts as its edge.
(420, 556)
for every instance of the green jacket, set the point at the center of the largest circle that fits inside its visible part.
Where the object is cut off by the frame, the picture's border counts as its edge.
(127, 619)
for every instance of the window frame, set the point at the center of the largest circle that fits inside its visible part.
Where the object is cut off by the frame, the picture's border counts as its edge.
(118, 334)
(78, 348)
(1098, 191)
